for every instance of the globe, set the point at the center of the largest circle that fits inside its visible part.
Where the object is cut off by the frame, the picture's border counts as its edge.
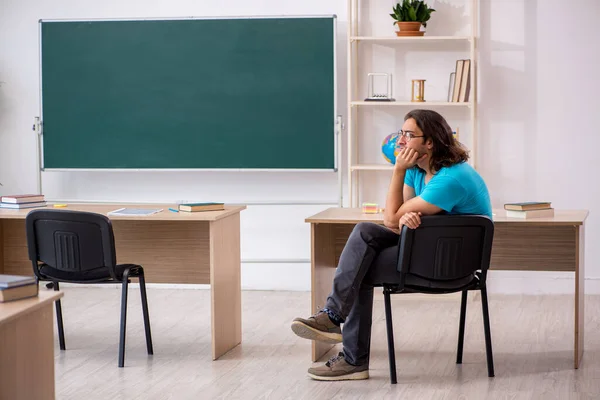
(391, 147)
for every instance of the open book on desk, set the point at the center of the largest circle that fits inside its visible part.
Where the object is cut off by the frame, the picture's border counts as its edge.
(134, 211)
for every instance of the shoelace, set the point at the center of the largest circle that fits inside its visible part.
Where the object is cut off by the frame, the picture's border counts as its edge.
(334, 359)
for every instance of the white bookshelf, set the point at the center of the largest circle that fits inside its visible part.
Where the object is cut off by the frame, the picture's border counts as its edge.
(370, 27)
(401, 39)
(408, 103)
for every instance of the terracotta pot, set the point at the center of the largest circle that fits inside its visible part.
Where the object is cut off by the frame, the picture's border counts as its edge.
(409, 26)
(409, 29)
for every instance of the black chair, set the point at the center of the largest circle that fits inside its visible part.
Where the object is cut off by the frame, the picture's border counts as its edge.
(445, 254)
(79, 247)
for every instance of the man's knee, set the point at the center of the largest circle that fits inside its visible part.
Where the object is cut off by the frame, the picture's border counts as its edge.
(366, 230)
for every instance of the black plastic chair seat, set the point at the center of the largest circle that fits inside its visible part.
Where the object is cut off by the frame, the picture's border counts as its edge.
(415, 284)
(97, 275)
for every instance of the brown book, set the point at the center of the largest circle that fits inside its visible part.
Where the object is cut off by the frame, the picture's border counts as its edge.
(465, 82)
(531, 205)
(18, 292)
(457, 80)
(192, 207)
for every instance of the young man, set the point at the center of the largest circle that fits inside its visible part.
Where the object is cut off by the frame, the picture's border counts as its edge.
(430, 176)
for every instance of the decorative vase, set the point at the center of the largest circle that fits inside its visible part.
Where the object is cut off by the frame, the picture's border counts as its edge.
(409, 29)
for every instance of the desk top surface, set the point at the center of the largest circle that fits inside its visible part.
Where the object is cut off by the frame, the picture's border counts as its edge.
(13, 309)
(164, 215)
(336, 215)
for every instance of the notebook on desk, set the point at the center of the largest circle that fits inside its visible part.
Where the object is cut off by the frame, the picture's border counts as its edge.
(134, 211)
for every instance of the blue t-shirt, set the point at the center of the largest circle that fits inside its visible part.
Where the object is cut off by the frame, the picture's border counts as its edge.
(458, 189)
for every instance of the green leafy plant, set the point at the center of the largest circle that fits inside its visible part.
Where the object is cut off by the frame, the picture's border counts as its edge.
(412, 11)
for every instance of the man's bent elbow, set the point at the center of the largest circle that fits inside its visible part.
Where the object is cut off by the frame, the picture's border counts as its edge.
(391, 223)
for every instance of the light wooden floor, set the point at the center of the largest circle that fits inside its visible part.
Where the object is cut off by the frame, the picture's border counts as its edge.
(532, 338)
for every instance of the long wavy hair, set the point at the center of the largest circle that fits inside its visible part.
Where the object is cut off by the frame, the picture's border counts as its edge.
(446, 150)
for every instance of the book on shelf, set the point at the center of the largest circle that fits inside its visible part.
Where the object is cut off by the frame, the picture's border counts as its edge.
(19, 292)
(193, 207)
(457, 79)
(460, 85)
(543, 213)
(528, 205)
(20, 206)
(451, 81)
(22, 198)
(465, 82)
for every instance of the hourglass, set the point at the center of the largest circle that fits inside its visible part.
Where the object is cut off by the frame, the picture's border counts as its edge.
(417, 92)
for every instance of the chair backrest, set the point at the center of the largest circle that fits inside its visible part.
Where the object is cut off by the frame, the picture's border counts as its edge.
(70, 241)
(446, 247)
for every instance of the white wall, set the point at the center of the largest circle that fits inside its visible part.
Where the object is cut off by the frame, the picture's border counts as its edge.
(539, 114)
(538, 134)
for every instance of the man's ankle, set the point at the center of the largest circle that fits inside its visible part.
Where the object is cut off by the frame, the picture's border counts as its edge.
(352, 362)
(334, 317)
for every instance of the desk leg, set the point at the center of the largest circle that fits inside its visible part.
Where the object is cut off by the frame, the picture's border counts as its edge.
(225, 284)
(579, 293)
(322, 272)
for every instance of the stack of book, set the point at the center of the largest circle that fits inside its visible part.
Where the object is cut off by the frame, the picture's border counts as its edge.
(193, 207)
(529, 210)
(22, 201)
(460, 82)
(15, 287)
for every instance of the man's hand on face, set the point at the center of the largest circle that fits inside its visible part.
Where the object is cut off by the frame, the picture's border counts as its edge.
(408, 158)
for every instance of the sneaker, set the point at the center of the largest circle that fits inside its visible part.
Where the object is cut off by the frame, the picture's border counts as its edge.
(337, 369)
(318, 327)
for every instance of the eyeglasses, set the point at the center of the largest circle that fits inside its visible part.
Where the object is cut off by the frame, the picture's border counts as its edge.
(408, 135)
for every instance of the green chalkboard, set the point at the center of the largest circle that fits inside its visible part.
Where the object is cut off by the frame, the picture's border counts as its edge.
(249, 93)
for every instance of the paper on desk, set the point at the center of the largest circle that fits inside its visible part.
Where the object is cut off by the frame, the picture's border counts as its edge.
(134, 211)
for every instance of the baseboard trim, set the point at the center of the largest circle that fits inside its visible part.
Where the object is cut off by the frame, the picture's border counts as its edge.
(296, 277)
(538, 282)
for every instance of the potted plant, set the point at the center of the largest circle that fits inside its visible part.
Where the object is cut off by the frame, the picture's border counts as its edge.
(409, 15)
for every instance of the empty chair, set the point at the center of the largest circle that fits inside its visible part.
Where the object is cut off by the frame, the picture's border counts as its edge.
(79, 247)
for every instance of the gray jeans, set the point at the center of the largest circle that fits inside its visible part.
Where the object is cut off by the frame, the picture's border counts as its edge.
(369, 259)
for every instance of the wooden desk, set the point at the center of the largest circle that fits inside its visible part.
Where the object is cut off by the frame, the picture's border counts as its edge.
(201, 247)
(540, 244)
(27, 348)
